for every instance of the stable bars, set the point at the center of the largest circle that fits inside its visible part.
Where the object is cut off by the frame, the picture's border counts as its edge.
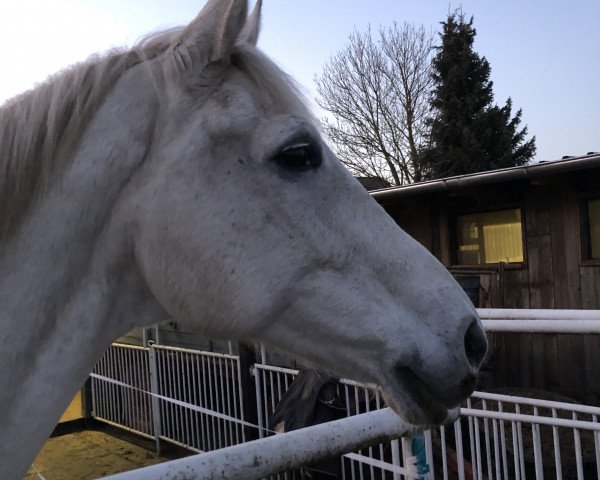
(280, 453)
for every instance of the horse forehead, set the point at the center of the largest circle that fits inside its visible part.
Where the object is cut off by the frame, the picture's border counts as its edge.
(240, 97)
(237, 108)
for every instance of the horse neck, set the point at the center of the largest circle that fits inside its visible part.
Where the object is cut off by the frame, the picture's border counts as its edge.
(68, 283)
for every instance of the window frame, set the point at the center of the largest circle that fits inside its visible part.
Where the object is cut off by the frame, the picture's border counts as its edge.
(453, 243)
(585, 233)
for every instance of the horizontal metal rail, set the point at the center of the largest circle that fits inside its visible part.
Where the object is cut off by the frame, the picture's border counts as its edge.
(536, 314)
(542, 326)
(537, 419)
(491, 439)
(510, 320)
(538, 402)
(188, 350)
(494, 438)
(280, 453)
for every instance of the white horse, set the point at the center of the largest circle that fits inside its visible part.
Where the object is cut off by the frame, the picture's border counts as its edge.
(186, 179)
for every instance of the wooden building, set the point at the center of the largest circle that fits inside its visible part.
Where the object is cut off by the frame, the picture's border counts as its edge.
(522, 237)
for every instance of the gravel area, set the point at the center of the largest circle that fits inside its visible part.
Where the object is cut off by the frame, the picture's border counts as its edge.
(90, 454)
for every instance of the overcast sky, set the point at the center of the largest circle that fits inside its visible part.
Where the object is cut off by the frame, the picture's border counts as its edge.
(545, 54)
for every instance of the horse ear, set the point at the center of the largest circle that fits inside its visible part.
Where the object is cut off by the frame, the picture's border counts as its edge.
(251, 29)
(212, 34)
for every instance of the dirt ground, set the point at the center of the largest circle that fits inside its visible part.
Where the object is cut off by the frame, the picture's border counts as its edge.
(90, 454)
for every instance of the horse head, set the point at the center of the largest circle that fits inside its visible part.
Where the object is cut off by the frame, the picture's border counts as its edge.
(248, 227)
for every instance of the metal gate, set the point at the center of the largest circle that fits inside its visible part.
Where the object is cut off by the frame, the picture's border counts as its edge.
(187, 397)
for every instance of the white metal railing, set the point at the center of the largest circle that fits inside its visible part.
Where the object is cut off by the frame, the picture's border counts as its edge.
(266, 456)
(125, 401)
(187, 397)
(271, 384)
(517, 437)
(540, 320)
(497, 437)
(206, 380)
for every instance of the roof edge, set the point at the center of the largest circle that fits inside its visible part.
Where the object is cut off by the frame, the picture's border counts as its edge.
(491, 176)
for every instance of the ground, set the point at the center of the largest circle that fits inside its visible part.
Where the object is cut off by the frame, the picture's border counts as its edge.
(90, 454)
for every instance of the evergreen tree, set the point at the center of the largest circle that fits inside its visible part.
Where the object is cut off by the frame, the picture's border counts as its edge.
(468, 132)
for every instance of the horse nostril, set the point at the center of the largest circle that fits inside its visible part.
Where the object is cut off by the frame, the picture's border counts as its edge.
(475, 344)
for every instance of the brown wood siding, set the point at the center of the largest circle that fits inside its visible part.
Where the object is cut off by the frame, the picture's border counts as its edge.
(552, 276)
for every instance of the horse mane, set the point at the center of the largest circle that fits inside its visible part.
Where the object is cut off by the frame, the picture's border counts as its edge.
(46, 123)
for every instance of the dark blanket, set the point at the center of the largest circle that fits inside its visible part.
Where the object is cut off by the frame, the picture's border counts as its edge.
(311, 399)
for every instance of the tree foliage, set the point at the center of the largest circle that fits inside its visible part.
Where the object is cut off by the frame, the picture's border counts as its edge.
(377, 92)
(468, 132)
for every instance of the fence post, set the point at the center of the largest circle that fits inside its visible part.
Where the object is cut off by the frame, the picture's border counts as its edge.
(395, 445)
(89, 400)
(156, 420)
(248, 390)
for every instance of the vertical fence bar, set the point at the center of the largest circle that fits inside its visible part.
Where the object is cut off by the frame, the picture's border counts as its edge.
(520, 442)
(200, 424)
(537, 448)
(597, 446)
(444, 452)
(460, 458)
(125, 392)
(188, 399)
(556, 441)
(578, 458)
(496, 451)
(163, 379)
(217, 405)
(429, 453)
(209, 421)
(114, 394)
(154, 381)
(169, 380)
(215, 426)
(406, 454)
(93, 392)
(224, 404)
(110, 372)
(395, 447)
(265, 398)
(488, 449)
(138, 411)
(516, 455)
(179, 410)
(479, 466)
(349, 412)
(472, 448)
(171, 364)
(239, 400)
(185, 389)
(259, 402)
(503, 443)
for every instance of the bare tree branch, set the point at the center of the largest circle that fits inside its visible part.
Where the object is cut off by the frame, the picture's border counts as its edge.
(377, 91)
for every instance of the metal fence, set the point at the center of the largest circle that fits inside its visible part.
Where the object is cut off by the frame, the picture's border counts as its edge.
(186, 397)
(378, 461)
(120, 385)
(496, 437)
(517, 437)
(195, 399)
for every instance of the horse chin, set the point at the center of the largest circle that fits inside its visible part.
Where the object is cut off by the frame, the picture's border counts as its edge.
(422, 412)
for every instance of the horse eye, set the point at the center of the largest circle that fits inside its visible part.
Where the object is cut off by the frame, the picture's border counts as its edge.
(299, 157)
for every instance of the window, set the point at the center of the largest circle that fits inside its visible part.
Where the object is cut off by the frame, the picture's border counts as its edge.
(593, 229)
(490, 237)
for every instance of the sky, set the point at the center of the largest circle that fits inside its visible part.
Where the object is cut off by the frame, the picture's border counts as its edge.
(544, 54)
